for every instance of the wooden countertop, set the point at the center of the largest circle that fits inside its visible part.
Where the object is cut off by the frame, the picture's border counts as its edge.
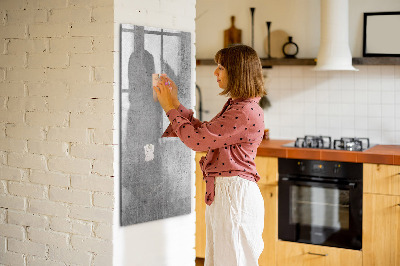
(379, 154)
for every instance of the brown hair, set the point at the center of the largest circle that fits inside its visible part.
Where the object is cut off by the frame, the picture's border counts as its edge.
(245, 78)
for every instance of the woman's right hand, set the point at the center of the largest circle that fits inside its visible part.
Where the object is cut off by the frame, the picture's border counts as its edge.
(174, 89)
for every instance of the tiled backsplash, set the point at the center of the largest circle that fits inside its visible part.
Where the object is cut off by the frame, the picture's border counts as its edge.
(332, 103)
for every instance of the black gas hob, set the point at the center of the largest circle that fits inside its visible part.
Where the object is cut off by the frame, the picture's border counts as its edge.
(325, 142)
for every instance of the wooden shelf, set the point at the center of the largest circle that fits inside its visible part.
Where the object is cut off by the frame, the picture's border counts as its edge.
(376, 61)
(312, 61)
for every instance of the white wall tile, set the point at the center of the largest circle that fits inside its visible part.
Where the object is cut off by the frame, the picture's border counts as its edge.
(388, 124)
(388, 97)
(322, 121)
(397, 122)
(284, 83)
(285, 72)
(375, 136)
(361, 123)
(310, 109)
(388, 110)
(374, 97)
(387, 72)
(388, 84)
(374, 123)
(397, 72)
(335, 95)
(361, 110)
(297, 83)
(322, 95)
(374, 110)
(322, 109)
(334, 109)
(348, 133)
(348, 95)
(360, 97)
(348, 122)
(347, 109)
(297, 72)
(374, 83)
(389, 136)
(325, 103)
(397, 94)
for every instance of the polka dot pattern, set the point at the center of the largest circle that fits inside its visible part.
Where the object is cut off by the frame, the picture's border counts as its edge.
(231, 139)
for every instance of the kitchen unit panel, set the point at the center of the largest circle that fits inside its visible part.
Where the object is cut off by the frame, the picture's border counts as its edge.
(200, 209)
(270, 233)
(267, 168)
(381, 230)
(298, 254)
(382, 179)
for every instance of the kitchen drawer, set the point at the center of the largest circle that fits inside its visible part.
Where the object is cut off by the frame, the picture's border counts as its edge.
(298, 254)
(381, 179)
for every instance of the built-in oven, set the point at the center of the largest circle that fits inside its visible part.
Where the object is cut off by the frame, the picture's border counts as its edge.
(320, 202)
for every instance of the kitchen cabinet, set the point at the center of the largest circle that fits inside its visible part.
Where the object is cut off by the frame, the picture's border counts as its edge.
(270, 233)
(381, 215)
(291, 253)
(381, 179)
(381, 221)
(200, 209)
(381, 230)
(267, 168)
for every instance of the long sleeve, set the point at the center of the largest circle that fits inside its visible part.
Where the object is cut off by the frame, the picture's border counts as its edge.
(169, 132)
(224, 130)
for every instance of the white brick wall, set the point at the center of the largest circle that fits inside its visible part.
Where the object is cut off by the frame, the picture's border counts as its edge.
(56, 127)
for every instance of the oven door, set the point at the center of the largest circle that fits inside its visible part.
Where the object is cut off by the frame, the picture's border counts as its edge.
(315, 211)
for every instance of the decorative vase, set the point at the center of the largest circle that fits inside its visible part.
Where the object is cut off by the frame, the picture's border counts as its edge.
(290, 49)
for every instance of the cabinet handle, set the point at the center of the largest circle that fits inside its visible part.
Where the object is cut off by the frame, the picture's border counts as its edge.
(398, 204)
(318, 254)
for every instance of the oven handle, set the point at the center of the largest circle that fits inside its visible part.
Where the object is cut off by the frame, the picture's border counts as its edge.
(297, 181)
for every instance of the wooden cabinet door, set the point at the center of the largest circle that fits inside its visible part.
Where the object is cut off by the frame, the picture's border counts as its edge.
(267, 168)
(298, 254)
(381, 230)
(381, 179)
(200, 209)
(270, 233)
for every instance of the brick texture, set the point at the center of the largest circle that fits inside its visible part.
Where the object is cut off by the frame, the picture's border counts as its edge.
(56, 127)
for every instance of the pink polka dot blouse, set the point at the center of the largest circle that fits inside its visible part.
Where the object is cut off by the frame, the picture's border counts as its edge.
(231, 139)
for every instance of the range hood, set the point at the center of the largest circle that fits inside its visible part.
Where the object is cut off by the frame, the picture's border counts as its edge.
(334, 51)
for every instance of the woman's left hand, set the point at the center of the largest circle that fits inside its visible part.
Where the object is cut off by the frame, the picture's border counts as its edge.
(164, 94)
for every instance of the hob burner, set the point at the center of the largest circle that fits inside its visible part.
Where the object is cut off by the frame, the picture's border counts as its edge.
(351, 144)
(324, 142)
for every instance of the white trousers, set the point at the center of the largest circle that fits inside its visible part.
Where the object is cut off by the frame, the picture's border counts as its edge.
(234, 223)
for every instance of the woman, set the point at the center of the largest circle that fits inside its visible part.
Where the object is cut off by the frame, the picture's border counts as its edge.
(235, 207)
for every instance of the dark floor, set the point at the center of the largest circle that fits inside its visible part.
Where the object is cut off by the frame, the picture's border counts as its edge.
(199, 262)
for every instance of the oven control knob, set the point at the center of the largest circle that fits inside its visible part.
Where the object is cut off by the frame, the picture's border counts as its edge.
(302, 167)
(336, 169)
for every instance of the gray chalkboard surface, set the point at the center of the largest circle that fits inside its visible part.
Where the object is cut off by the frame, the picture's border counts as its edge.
(155, 172)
